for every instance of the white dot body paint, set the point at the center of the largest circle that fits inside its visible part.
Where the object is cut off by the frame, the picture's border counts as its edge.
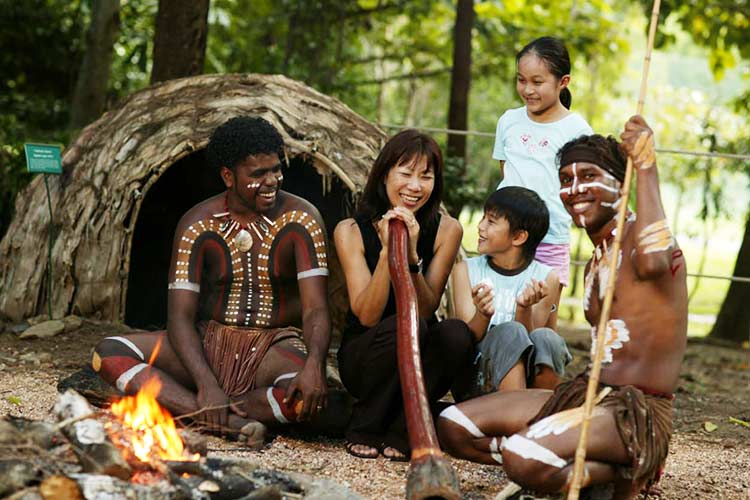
(253, 185)
(582, 220)
(530, 450)
(616, 335)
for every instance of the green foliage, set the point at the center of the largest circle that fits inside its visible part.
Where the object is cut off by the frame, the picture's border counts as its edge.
(721, 25)
(38, 64)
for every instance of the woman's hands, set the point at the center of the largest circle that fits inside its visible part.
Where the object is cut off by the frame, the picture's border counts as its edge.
(412, 228)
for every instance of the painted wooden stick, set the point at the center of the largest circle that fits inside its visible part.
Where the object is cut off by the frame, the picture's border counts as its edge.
(601, 331)
(430, 473)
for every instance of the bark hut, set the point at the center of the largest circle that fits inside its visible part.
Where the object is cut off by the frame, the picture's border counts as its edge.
(130, 175)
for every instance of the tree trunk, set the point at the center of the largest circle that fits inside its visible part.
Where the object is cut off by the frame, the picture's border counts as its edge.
(93, 77)
(733, 321)
(460, 77)
(180, 39)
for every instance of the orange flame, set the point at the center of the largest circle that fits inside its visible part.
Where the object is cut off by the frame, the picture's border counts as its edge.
(155, 431)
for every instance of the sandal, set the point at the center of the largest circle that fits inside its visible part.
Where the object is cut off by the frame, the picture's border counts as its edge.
(372, 452)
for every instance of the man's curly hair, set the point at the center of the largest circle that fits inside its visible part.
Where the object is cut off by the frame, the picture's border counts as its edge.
(240, 137)
(597, 149)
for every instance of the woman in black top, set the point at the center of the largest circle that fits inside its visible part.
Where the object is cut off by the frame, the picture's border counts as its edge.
(405, 183)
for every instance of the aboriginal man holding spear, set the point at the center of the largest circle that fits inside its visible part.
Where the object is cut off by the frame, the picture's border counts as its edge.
(535, 433)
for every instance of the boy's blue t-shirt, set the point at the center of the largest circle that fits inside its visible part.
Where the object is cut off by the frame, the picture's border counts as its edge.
(507, 287)
(529, 150)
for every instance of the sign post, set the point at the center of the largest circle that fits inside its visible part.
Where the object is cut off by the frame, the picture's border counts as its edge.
(45, 159)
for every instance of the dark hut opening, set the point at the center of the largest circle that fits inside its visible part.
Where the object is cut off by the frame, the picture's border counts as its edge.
(183, 185)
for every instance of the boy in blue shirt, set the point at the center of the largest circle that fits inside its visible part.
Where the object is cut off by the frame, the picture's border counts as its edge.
(506, 297)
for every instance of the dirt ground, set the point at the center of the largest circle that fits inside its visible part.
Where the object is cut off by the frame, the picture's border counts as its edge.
(702, 465)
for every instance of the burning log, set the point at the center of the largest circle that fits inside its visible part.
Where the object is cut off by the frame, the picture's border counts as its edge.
(430, 473)
(91, 444)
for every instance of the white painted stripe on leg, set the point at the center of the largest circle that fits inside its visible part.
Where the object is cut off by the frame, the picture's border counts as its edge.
(275, 408)
(495, 451)
(124, 379)
(130, 345)
(453, 414)
(528, 449)
(284, 376)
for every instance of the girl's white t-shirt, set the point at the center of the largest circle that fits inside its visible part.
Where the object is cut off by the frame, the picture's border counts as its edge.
(529, 150)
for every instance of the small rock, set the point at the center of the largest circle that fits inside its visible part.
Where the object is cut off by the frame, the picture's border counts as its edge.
(43, 330)
(37, 319)
(72, 323)
(19, 327)
(36, 357)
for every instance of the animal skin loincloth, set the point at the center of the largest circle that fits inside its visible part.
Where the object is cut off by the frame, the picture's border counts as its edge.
(235, 354)
(643, 419)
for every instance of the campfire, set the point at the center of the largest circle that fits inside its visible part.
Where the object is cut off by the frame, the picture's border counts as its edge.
(133, 450)
(147, 430)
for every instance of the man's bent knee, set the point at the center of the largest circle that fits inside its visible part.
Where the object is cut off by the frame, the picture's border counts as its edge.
(117, 360)
(530, 464)
(456, 431)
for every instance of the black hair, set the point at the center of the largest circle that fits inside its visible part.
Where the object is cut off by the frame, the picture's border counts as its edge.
(525, 211)
(602, 151)
(240, 137)
(405, 146)
(553, 52)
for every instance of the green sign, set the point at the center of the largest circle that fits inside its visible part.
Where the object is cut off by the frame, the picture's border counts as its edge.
(43, 158)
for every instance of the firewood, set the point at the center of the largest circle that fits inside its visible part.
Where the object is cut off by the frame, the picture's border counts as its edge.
(60, 487)
(91, 444)
(16, 474)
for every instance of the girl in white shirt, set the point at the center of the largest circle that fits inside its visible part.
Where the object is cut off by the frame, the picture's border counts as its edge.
(528, 138)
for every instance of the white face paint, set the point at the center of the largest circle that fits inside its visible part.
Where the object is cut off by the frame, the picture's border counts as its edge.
(253, 185)
(528, 449)
(577, 187)
(614, 205)
(616, 336)
(582, 220)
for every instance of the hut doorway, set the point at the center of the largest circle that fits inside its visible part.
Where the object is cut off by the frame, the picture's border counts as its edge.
(187, 182)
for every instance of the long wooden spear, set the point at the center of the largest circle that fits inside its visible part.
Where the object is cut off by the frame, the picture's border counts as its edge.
(596, 365)
(430, 473)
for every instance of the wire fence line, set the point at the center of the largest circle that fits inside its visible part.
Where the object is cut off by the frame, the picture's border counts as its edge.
(738, 279)
(476, 133)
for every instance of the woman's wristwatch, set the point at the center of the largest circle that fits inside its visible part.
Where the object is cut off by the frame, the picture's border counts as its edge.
(416, 268)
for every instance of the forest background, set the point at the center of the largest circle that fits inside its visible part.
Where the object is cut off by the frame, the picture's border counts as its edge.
(432, 64)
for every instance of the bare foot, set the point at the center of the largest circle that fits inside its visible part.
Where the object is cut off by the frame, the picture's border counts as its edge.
(393, 454)
(361, 450)
(254, 434)
(248, 431)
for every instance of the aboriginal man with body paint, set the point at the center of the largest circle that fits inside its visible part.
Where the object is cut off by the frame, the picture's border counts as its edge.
(248, 271)
(534, 433)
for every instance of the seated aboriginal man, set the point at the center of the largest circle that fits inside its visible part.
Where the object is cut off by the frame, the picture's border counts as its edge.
(248, 268)
(645, 341)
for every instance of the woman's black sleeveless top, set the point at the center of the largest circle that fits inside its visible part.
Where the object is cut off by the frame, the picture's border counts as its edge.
(371, 241)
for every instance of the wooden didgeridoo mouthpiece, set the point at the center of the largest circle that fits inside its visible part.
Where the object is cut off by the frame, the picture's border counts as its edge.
(430, 473)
